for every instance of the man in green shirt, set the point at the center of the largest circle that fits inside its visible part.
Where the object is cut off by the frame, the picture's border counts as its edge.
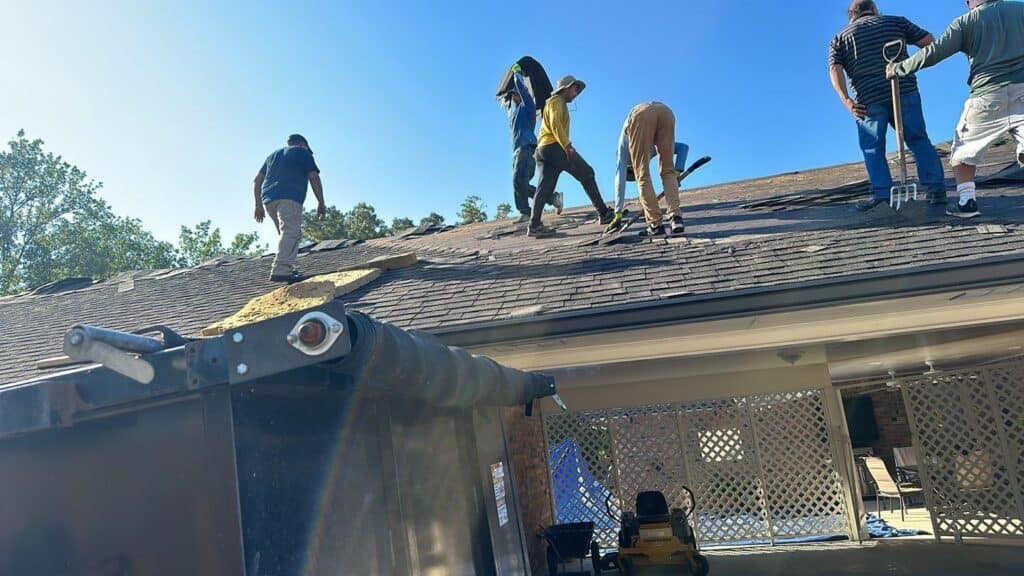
(991, 34)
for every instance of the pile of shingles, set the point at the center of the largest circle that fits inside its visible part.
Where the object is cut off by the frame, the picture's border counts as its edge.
(813, 198)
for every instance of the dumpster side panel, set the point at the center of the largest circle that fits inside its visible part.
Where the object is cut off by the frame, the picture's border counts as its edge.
(149, 490)
(438, 472)
(501, 500)
(335, 481)
(310, 480)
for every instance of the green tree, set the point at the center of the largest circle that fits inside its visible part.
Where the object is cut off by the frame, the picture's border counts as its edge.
(400, 225)
(472, 210)
(434, 219)
(53, 225)
(364, 224)
(247, 245)
(334, 225)
(503, 211)
(203, 242)
(96, 248)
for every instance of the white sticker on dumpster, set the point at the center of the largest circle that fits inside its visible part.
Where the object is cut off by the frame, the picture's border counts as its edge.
(498, 478)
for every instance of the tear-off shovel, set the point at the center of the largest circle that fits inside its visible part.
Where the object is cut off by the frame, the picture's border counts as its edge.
(902, 192)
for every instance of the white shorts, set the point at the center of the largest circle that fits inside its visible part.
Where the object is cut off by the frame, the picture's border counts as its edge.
(986, 119)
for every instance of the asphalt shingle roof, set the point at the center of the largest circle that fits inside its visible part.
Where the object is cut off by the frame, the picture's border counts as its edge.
(761, 233)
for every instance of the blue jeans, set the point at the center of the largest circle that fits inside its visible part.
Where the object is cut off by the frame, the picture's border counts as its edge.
(524, 165)
(873, 131)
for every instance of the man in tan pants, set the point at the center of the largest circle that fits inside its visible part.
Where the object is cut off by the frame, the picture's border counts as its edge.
(279, 191)
(654, 125)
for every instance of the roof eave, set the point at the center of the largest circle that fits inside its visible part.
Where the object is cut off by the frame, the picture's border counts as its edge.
(974, 274)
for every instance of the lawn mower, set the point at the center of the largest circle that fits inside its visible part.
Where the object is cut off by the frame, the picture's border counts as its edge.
(655, 536)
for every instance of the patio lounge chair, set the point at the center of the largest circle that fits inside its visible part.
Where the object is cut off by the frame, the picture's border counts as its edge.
(886, 487)
(906, 467)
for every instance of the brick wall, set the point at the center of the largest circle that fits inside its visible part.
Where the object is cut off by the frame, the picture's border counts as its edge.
(893, 424)
(530, 468)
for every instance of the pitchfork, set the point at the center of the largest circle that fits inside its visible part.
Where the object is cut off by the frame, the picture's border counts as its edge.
(900, 193)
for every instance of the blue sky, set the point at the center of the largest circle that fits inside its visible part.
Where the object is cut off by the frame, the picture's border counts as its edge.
(174, 105)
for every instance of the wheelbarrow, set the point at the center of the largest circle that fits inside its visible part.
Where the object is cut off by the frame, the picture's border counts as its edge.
(902, 192)
(568, 542)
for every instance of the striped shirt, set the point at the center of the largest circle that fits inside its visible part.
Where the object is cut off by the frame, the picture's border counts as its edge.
(858, 49)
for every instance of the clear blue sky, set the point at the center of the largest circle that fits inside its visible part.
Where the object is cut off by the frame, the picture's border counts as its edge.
(174, 105)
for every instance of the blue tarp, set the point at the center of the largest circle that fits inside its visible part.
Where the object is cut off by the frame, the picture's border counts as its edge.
(878, 528)
(577, 490)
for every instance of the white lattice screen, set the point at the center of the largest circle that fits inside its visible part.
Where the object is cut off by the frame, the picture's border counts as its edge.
(760, 467)
(969, 432)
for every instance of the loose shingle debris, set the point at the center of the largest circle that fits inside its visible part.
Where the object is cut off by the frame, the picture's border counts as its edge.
(1012, 174)
(527, 311)
(812, 249)
(425, 230)
(824, 197)
(333, 244)
(992, 229)
(65, 285)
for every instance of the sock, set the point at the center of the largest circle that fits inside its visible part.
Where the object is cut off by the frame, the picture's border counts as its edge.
(967, 192)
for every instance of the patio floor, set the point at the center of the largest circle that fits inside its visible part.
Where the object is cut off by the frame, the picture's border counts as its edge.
(897, 557)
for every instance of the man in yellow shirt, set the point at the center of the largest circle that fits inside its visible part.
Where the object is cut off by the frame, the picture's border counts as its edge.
(555, 154)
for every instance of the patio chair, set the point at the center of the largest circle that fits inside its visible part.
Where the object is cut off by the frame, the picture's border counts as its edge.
(906, 467)
(886, 487)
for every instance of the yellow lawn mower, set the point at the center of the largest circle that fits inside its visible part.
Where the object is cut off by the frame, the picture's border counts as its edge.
(655, 536)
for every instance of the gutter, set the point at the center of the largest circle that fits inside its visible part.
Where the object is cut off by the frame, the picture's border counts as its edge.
(975, 274)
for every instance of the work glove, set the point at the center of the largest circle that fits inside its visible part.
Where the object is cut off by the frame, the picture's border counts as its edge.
(517, 69)
(614, 224)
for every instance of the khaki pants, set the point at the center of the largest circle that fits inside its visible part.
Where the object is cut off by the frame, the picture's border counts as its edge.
(653, 125)
(287, 217)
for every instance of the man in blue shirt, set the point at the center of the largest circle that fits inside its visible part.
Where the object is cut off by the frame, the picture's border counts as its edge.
(279, 190)
(522, 118)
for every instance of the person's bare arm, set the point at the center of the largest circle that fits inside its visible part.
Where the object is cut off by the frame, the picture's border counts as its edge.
(925, 42)
(257, 192)
(318, 191)
(838, 74)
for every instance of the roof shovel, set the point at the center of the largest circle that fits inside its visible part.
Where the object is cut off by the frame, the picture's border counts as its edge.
(904, 191)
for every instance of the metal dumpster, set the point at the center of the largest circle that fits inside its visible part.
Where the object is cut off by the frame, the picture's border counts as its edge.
(315, 443)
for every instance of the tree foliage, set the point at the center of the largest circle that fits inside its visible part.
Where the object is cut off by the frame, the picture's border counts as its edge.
(203, 242)
(364, 224)
(503, 211)
(359, 223)
(400, 225)
(53, 225)
(434, 219)
(472, 210)
(332, 227)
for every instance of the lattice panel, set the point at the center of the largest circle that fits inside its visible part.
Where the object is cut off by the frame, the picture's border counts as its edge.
(582, 470)
(968, 427)
(1008, 388)
(722, 461)
(760, 467)
(803, 489)
(649, 455)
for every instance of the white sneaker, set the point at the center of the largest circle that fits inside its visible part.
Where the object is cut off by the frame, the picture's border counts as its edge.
(558, 201)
